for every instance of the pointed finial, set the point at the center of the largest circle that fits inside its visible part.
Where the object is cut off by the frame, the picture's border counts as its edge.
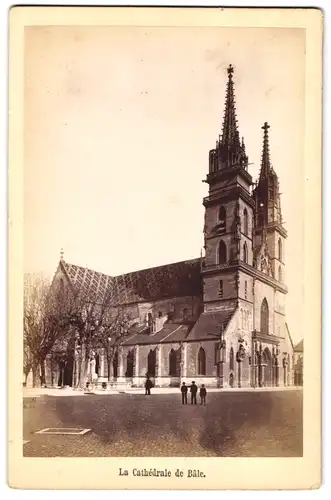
(265, 127)
(230, 71)
(62, 254)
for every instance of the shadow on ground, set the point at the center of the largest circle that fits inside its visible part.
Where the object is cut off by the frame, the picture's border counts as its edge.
(263, 424)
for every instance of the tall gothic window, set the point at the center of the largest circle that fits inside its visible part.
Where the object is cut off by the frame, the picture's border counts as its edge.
(246, 290)
(201, 362)
(264, 327)
(151, 362)
(280, 250)
(245, 252)
(245, 222)
(129, 364)
(280, 274)
(231, 359)
(172, 363)
(222, 252)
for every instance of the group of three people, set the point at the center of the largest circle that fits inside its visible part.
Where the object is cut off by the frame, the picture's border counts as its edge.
(184, 390)
(193, 391)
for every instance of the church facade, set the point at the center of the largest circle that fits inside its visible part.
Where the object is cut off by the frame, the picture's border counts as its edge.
(218, 319)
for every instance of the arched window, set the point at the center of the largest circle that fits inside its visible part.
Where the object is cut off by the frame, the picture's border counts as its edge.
(115, 365)
(246, 290)
(129, 364)
(280, 274)
(280, 250)
(185, 314)
(245, 253)
(245, 222)
(172, 363)
(151, 363)
(222, 253)
(97, 364)
(231, 359)
(264, 326)
(201, 362)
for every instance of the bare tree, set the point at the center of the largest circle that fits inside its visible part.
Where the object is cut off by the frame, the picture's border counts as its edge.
(114, 330)
(44, 323)
(89, 317)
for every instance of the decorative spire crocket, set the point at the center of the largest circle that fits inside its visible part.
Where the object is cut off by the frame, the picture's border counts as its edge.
(229, 151)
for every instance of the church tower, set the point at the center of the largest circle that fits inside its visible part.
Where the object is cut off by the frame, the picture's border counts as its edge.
(229, 217)
(268, 216)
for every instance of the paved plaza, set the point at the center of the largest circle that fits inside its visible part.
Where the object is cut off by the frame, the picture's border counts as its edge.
(232, 424)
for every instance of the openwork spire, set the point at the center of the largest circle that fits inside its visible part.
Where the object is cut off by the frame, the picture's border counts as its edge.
(229, 151)
(230, 134)
(265, 161)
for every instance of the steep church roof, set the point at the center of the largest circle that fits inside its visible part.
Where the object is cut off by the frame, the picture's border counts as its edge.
(179, 279)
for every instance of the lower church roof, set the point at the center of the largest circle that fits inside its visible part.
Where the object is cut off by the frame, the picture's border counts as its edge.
(210, 324)
(170, 332)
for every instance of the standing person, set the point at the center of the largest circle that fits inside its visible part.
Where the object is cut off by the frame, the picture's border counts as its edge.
(203, 394)
(184, 393)
(193, 390)
(148, 386)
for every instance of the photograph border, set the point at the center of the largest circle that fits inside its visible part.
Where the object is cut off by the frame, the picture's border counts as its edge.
(221, 473)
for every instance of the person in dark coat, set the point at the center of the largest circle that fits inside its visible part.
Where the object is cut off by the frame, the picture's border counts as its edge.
(193, 391)
(148, 386)
(203, 394)
(184, 393)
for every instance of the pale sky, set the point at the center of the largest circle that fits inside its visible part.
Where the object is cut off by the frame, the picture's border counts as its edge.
(118, 125)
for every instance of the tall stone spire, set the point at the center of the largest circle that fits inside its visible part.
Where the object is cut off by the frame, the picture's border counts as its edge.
(265, 161)
(266, 193)
(230, 133)
(229, 151)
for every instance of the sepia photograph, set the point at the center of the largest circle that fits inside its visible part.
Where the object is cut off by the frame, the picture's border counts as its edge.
(163, 243)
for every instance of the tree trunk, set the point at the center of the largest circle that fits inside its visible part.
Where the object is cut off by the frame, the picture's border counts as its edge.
(43, 373)
(109, 367)
(36, 382)
(84, 369)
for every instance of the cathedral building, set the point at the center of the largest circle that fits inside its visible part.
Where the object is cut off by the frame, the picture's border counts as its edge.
(218, 319)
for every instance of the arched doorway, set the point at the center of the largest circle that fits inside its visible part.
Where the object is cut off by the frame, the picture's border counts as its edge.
(267, 367)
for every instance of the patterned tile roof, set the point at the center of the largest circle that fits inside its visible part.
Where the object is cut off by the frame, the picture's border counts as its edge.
(171, 280)
(208, 326)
